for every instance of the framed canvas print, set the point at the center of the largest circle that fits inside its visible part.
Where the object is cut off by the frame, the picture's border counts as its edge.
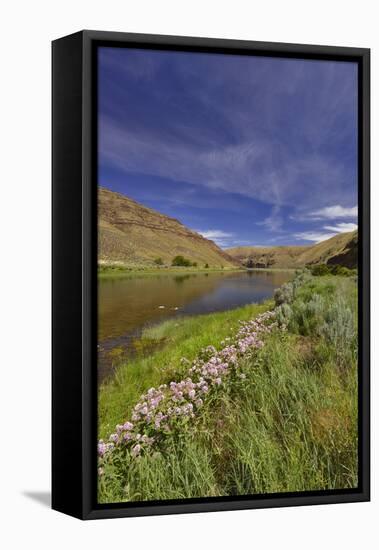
(210, 275)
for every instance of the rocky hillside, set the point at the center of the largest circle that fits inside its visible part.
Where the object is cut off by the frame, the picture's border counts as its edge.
(131, 234)
(341, 249)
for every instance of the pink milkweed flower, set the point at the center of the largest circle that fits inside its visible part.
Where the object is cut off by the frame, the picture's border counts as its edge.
(209, 370)
(101, 448)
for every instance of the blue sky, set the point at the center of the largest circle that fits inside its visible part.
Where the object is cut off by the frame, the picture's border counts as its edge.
(245, 150)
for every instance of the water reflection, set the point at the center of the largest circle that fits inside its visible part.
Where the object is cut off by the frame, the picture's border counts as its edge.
(128, 303)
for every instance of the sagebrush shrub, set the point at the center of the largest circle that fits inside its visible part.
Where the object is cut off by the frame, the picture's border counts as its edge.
(307, 316)
(284, 314)
(301, 278)
(284, 294)
(339, 326)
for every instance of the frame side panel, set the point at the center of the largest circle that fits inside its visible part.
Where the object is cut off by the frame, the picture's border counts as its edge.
(66, 274)
(365, 292)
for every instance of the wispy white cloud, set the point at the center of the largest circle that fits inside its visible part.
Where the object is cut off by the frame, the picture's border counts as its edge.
(221, 238)
(251, 168)
(322, 235)
(214, 234)
(341, 227)
(274, 221)
(314, 236)
(334, 212)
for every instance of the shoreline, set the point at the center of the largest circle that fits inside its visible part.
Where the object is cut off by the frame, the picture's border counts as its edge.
(103, 272)
(110, 272)
(173, 339)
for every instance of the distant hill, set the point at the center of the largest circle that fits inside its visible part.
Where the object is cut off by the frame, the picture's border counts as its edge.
(341, 249)
(133, 235)
(270, 256)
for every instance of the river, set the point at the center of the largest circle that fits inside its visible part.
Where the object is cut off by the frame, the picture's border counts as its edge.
(127, 304)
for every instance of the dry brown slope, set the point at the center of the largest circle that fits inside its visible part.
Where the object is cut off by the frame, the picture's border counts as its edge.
(134, 235)
(340, 249)
(260, 256)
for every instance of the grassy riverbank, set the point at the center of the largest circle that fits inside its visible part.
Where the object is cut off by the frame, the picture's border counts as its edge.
(289, 423)
(121, 271)
(176, 338)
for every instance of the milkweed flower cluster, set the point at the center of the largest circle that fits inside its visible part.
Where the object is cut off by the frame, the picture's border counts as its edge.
(162, 410)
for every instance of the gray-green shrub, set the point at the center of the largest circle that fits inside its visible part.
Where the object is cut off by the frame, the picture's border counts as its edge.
(284, 314)
(284, 294)
(339, 326)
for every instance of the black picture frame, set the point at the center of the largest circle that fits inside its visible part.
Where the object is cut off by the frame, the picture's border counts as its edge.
(74, 273)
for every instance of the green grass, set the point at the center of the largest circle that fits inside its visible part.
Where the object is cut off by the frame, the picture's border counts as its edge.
(176, 338)
(272, 269)
(120, 271)
(290, 426)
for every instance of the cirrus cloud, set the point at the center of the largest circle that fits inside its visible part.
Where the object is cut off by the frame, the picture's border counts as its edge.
(314, 236)
(221, 238)
(332, 231)
(341, 227)
(333, 212)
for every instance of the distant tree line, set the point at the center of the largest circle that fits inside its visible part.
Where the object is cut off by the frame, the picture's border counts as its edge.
(333, 269)
(179, 261)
